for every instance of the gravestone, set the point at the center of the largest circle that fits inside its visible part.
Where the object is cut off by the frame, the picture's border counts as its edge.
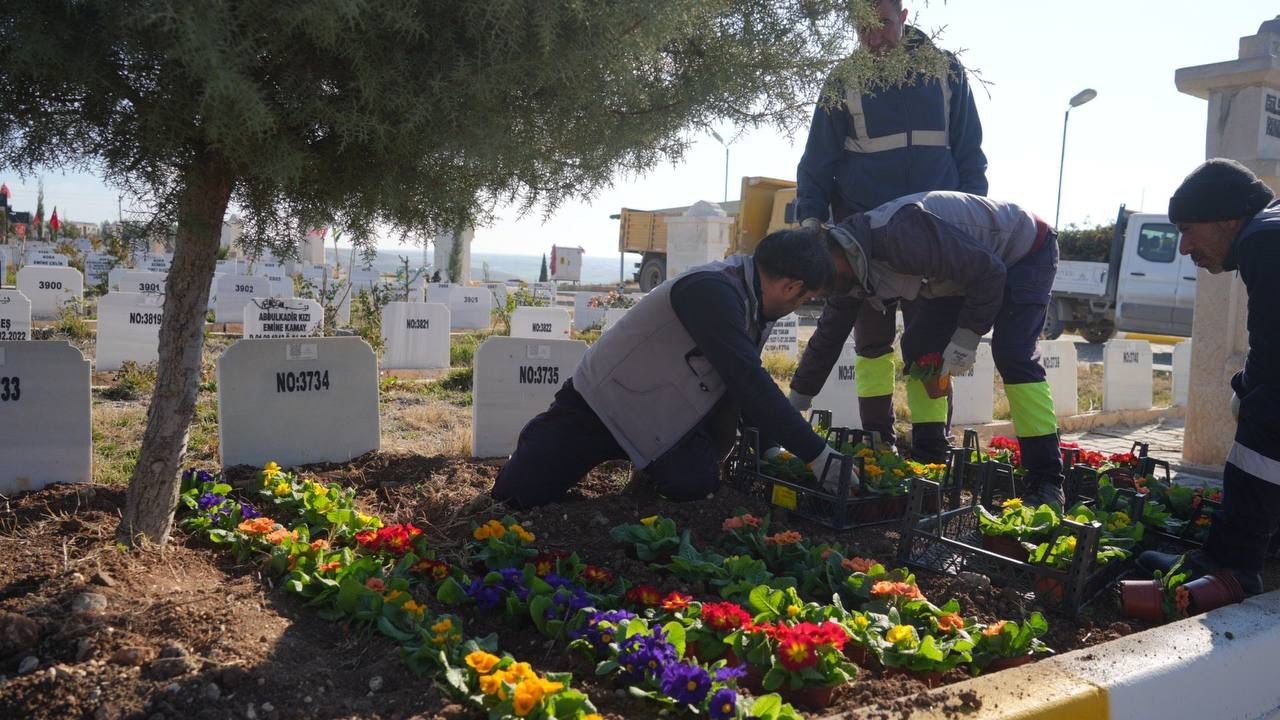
(156, 263)
(973, 394)
(137, 281)
(544, 291)
(297, 401)
(439, 292)
(1126, 375)
(45, 427)
(515, 379)
(234, 292)
(470, 308)
(499, 291)
(128, 329)
(282, 288)
(785, 338)
(97, 267)
(585, 316)
(270, 270)
(15, 315)
(839, 393)
(1181, 372)
(415, 336)
(282, 318)
(4, 265)
(48, 260)
(1059, 360)
(540, 322)
(612, 316)
(49, 288)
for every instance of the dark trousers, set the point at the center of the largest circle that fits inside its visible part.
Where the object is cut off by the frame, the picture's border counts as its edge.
(873, 336)
(1241, 532)
(560, 446)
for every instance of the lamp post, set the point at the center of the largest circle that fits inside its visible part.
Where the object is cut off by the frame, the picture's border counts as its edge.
(726, 144)
(1080, 98)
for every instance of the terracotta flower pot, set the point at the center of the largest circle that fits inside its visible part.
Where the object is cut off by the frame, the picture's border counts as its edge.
(1005, 663)
(1005, 546)
(809, 698)
(937, 387)
(857, 654)
(1142, 600)
(867, 511)
(1050, 589)
(1121, 477)
(1214, 591)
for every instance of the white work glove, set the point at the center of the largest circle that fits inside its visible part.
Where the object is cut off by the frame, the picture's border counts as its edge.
(829, 478)
(961, 352)
(811, 223)
(800, 402)
(1235, 406)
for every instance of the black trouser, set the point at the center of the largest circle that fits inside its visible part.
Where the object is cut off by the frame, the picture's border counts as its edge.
(1250, 515)
(560, 446)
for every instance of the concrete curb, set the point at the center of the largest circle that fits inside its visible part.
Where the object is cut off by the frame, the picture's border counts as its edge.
(1086, 421)
(1223, 664)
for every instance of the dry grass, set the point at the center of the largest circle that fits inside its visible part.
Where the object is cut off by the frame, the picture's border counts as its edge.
(781, 366)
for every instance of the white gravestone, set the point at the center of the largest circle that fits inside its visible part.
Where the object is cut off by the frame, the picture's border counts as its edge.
(270, 270)
(470, 308)
(157, 263)
(45, 428)
(415, 336)
(499, 291)
(973, 394)
(282, 318)
(297, 401)
(612, 316)
(839, 393)
(97, 266)
(585, 316)
(15, 315)
(439, 292)
(128, 329)
(49, 288)
(234, 292)
(1126, 375)
(516, 379)
(1060, 369)
(137, 281)
(540, 322)
(544, 291)
(48, 259)
(1181, 372)
(785, 337)
(282, 288)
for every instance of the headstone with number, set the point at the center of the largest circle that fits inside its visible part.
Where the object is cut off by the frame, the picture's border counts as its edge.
(297, 401)
(282, 318)
(50, 288)
(540, 322)
(544, 292)
(470, 308)
(499, 293)
(234, 292)
(1126, 375)
(515, 379)
(586, 317)
(15, 315)
(785, 338)
(1181, 372)
(973, 394)
(1059, 360)
(415, 336)
(97, 266)
(156, 263)
(45, 427)
(839, 393)
(270, 270)
(439, 292)
(128, 329)
(137, 281)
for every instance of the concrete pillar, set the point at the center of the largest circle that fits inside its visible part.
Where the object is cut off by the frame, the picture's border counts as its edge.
(1181, 372)
(1243, 124)
(443, 246)
(698, 237)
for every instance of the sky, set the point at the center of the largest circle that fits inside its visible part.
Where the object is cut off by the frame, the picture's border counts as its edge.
(1131, 145)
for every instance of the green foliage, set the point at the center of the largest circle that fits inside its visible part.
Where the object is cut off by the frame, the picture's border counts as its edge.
(1091, 244)
(132, 382)
(71, 323)
(462, 349)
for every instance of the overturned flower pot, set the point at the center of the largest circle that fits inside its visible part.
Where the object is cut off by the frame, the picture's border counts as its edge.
(1213, 591)
(1142, 600)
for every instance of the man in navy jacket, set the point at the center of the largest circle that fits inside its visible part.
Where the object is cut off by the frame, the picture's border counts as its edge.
(873, 147)
(1230, 220)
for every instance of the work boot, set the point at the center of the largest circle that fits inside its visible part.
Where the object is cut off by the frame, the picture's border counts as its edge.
(929, 442)
(1045, 492)
(877, 416)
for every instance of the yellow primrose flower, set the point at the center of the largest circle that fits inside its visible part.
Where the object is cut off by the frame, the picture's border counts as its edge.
(1012, 504)
(482, 533)
(1118, 520)
(521, 671)
(897, 472)
(492, 685)
(519, 531)
(319, 489)
(392, 596)
(527, 696)
(496, 529)
(442, 627)
(283, 488)
(413, 607)
(482, 662)
(793, 610)
(901, 635)
(649, 521)
(860, 622)
(1070, 543)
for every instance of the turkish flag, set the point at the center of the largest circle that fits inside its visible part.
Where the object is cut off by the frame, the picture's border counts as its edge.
(53, 220)
(4, 191)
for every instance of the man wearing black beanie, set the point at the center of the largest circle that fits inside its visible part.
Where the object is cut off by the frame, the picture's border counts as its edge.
(1230, 220)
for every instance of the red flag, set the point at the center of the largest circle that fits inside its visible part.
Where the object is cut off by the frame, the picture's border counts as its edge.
(21, 229)
(53, 219)
(4, 191)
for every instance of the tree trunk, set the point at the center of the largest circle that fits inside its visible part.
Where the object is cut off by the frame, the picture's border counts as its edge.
(153, 489)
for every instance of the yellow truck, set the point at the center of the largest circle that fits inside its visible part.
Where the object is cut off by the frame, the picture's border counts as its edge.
(765, 205)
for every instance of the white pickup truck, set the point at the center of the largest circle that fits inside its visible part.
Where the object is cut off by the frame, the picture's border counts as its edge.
(1145, 287)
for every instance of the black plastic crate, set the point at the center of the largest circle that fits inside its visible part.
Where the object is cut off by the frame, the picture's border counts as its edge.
(950, 542)
(965, 472)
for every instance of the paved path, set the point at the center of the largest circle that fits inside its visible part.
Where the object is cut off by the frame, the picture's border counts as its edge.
(1164, 440)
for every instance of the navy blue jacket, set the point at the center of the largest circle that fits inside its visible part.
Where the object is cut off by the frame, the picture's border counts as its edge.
(1256, 253)
(904, 141)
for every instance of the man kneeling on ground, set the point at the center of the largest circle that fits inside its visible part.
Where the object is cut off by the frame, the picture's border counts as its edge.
(665, 387)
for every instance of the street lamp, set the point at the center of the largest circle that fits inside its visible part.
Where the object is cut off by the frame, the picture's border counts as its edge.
(1080, 98)
(726, 145)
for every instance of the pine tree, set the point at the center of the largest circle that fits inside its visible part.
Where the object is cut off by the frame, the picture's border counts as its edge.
(542, 274)
(414, 115)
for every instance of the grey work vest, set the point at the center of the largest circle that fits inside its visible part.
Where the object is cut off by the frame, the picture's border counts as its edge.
(646, 379)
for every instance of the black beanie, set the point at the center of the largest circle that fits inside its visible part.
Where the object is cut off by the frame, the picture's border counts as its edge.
(1220, 189)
